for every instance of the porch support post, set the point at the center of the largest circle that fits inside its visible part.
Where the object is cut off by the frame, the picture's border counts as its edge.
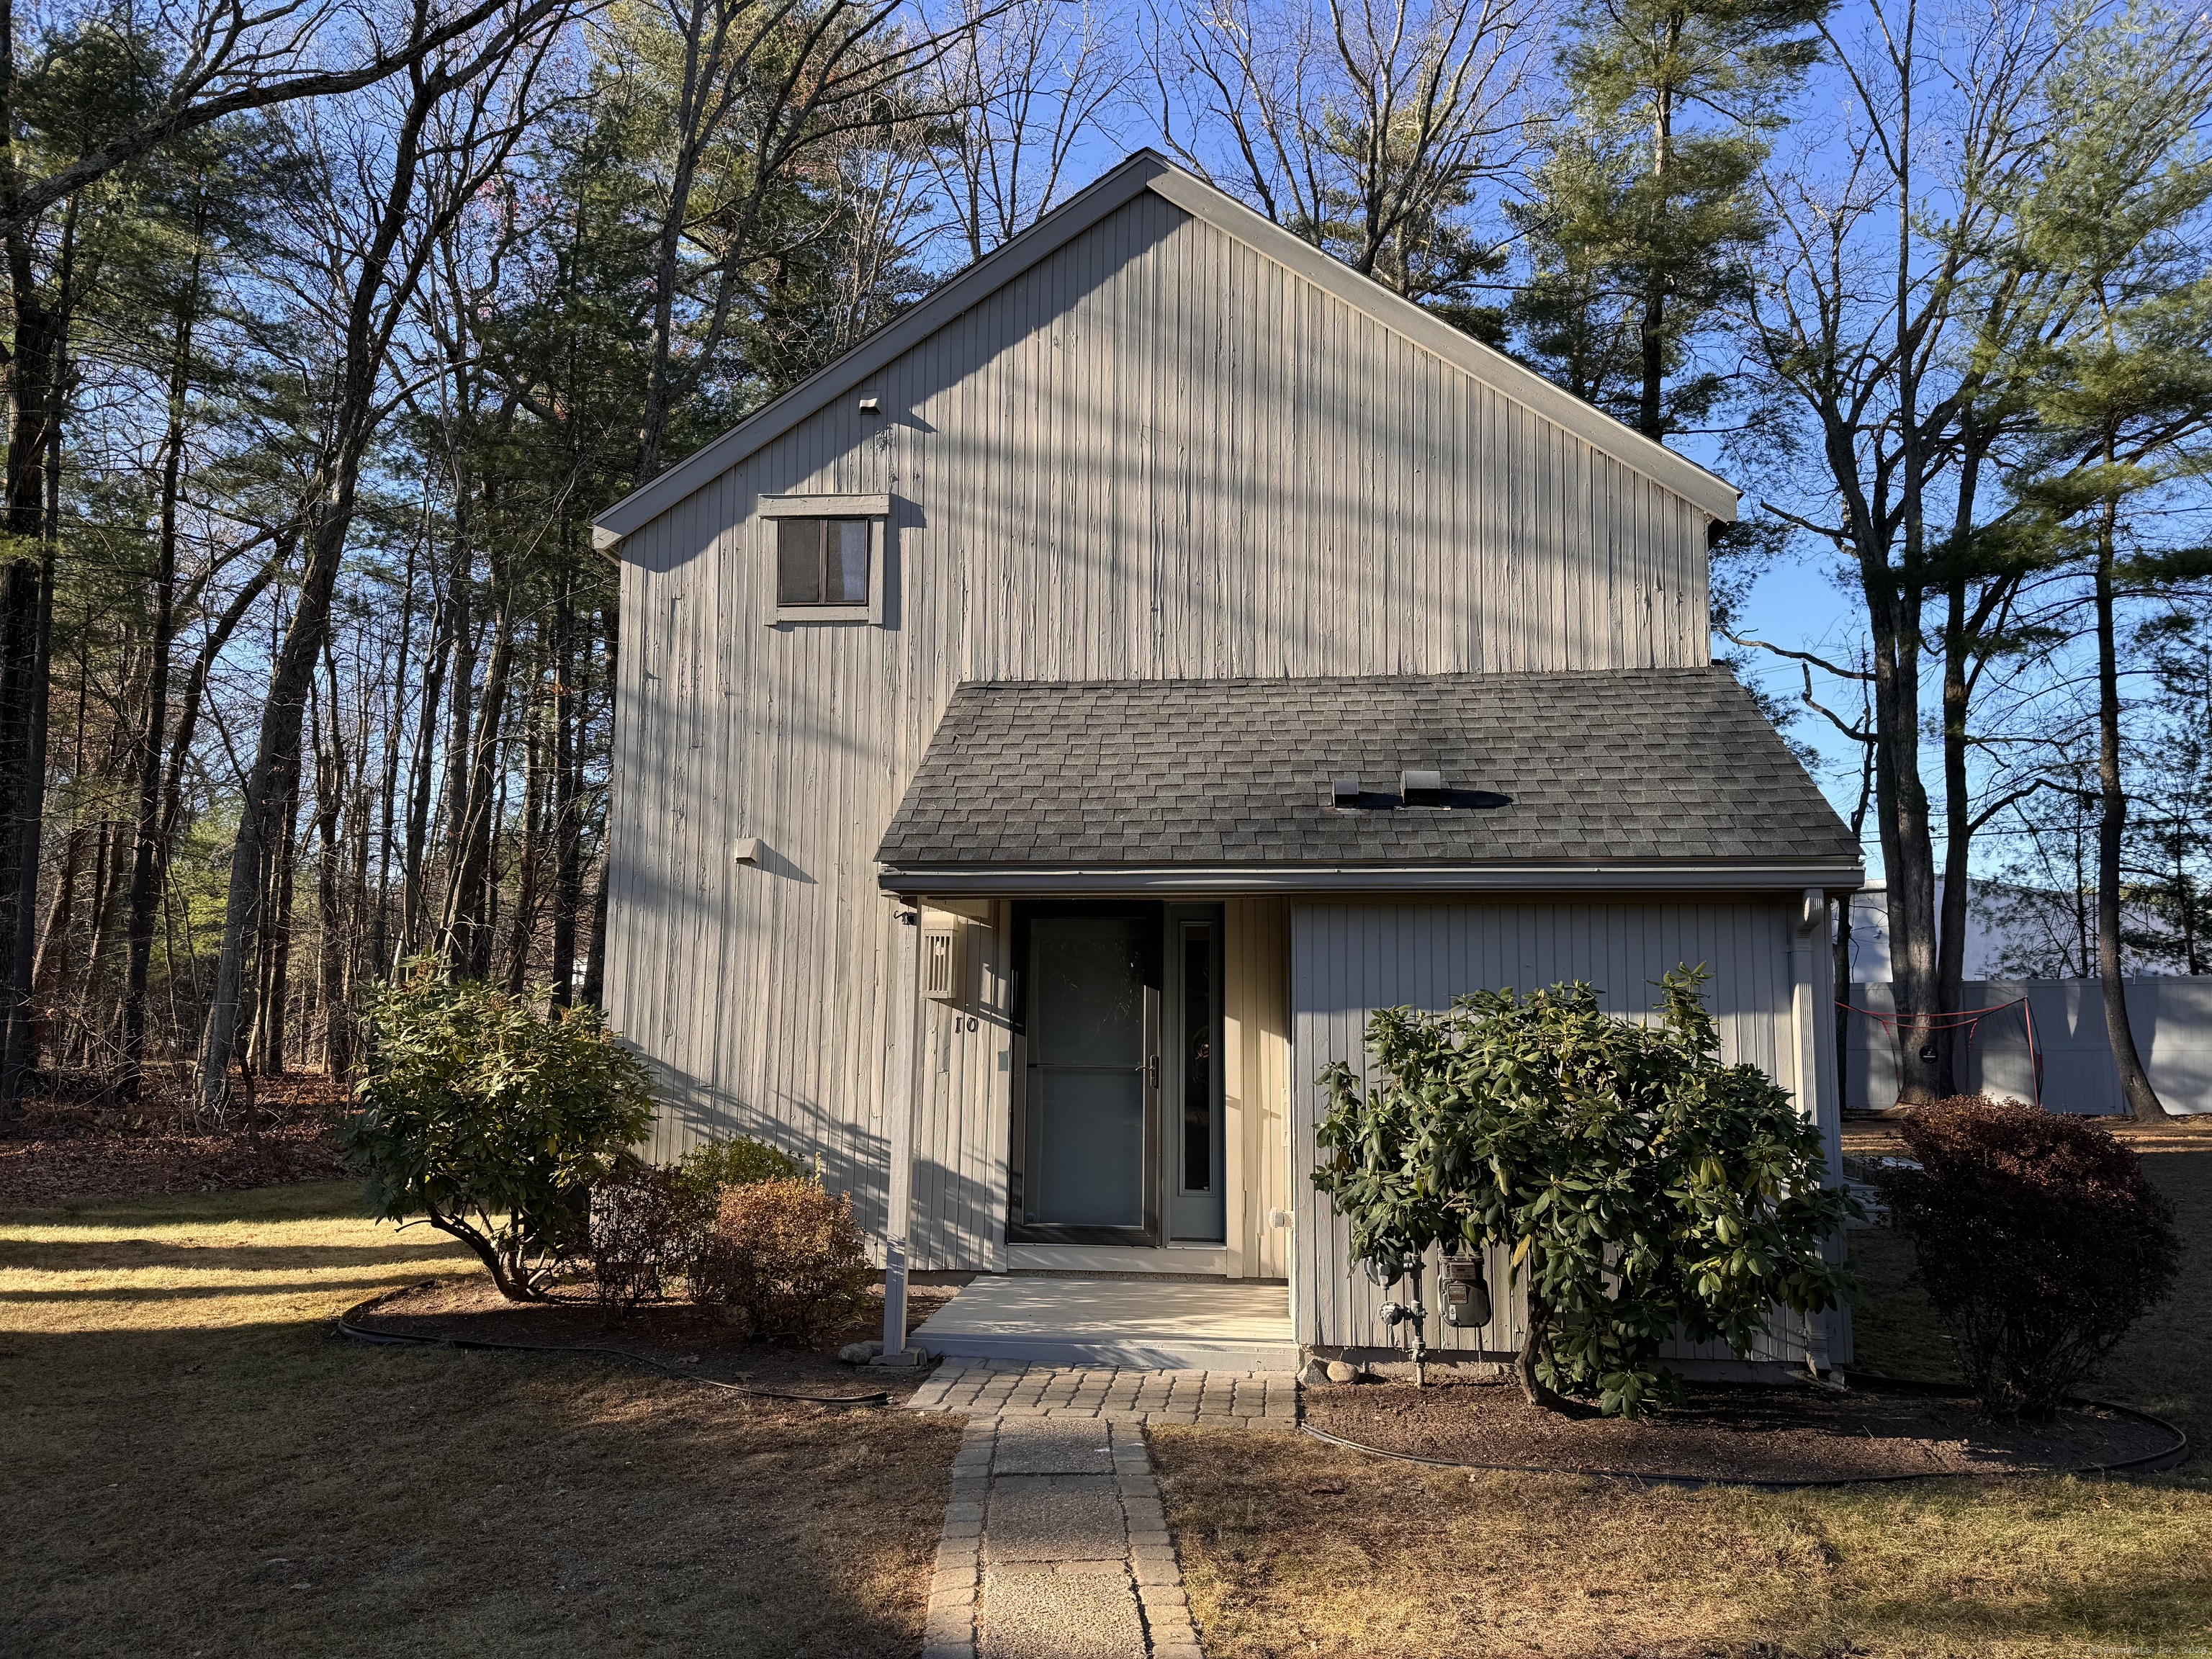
(899, 1106)
(1813, 1083)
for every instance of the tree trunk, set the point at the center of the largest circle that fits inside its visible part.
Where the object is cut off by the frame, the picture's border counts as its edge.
(1533, 1390)
(148, 860)
(568, 832)
(26, 636)
(468, 923)
(2141, 1099)
(522, 926)
(380, 936)
(414, 878)
(375, 302)
(330, 953)
(275, 1000)
(595, 960)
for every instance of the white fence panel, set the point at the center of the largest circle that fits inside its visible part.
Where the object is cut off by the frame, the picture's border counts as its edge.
(2171, 1017)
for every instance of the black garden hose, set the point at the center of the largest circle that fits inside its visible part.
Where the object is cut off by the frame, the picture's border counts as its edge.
(347, 1326)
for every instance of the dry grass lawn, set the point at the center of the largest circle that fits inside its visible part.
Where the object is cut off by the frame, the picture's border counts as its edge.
(195, 1465)
(1290, 1547)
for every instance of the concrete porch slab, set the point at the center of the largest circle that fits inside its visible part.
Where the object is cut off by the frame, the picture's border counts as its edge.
(1148, 1325)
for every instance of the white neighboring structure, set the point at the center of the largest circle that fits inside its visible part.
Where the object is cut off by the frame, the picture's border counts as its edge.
(2011, 932)
(2008, 929)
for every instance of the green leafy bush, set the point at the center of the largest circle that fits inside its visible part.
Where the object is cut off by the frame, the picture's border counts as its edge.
(488, 1119)
(2038, 1237)
(647, 1225)
(788, 1256)
(739, 1161)
(1642, 1185)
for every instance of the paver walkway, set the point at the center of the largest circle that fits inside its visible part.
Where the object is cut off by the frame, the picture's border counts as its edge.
(1001, 1388)
(1055, 1546)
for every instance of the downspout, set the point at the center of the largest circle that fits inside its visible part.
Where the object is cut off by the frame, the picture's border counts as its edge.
(1805, 1024)
(899, 1090)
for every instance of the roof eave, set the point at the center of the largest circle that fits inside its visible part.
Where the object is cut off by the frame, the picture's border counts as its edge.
(1518, 876)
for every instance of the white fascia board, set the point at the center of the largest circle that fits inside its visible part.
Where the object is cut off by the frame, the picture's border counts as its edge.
(1669, 877)
(964, 292)
(1712, 494)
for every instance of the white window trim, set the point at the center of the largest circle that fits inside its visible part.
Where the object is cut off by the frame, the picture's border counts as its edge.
(876, 509)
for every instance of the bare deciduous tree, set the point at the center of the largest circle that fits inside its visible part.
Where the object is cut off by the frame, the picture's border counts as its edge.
(1364, 126)
(1021, 90)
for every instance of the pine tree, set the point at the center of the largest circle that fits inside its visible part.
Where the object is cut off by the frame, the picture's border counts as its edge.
(1644, 222)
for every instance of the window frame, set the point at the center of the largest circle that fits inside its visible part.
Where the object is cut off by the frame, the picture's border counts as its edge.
(875, 509)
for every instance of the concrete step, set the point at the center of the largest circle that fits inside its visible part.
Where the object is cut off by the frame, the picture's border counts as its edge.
(1131, 1352)
(1141, 1324)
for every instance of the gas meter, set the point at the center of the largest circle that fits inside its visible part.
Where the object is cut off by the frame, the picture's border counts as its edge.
(1467, 1296)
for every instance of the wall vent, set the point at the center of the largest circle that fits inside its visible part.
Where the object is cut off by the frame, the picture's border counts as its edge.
(942, 959)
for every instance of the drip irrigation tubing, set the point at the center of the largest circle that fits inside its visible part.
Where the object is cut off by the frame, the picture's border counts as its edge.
(2166, 1457)
(348, 1326)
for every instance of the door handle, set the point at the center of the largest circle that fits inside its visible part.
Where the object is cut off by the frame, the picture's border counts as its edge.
(1152, 1073)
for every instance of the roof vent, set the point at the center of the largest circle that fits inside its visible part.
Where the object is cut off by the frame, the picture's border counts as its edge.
(1344, 791)
(1421, 788)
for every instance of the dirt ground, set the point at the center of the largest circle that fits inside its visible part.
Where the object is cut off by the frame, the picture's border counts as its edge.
(71, 1143)
(195, 1464)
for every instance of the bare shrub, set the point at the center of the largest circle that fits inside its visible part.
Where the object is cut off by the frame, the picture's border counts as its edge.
(647, 1226)
(788, 1256)
(2038, 1238)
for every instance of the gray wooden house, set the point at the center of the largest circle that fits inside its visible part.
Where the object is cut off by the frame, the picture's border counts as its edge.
(1046, 733)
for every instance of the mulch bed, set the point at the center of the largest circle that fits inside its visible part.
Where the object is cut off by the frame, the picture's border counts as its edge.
(1728, 1433)
(703, 1340)
(67, 1147)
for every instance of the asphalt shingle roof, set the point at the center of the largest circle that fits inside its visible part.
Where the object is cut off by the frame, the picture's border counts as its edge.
(1658, 764)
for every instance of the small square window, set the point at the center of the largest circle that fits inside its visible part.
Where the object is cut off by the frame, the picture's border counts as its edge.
(821, 562)
(826, 557)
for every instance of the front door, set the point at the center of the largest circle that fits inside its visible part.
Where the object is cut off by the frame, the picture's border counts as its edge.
(1090, 1113)
(1117, 1078)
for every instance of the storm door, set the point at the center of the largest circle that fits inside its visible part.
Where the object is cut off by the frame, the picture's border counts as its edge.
(1087, 1161)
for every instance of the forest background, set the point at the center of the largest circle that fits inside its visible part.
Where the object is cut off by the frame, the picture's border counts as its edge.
(329, 328)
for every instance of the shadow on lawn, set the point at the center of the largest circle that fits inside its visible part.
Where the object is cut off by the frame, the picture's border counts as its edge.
(193, 1478)
(68, 1255)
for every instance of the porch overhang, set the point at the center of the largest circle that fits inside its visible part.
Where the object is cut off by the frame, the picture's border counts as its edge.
(1647, 781)
(1170, 880)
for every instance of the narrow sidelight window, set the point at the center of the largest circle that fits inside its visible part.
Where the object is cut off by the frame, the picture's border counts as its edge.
(821, 562)
(1198, 1058)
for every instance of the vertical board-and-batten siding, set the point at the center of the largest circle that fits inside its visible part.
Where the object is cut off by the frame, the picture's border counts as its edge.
(1255, 1041)
(1348, 960)
(1156, 455)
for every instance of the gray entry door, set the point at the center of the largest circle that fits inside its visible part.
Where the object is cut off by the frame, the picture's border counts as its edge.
(1090, 1151)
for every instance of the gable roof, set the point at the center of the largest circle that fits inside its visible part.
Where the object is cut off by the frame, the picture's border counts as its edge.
(1640, 777)
(1149, 170)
